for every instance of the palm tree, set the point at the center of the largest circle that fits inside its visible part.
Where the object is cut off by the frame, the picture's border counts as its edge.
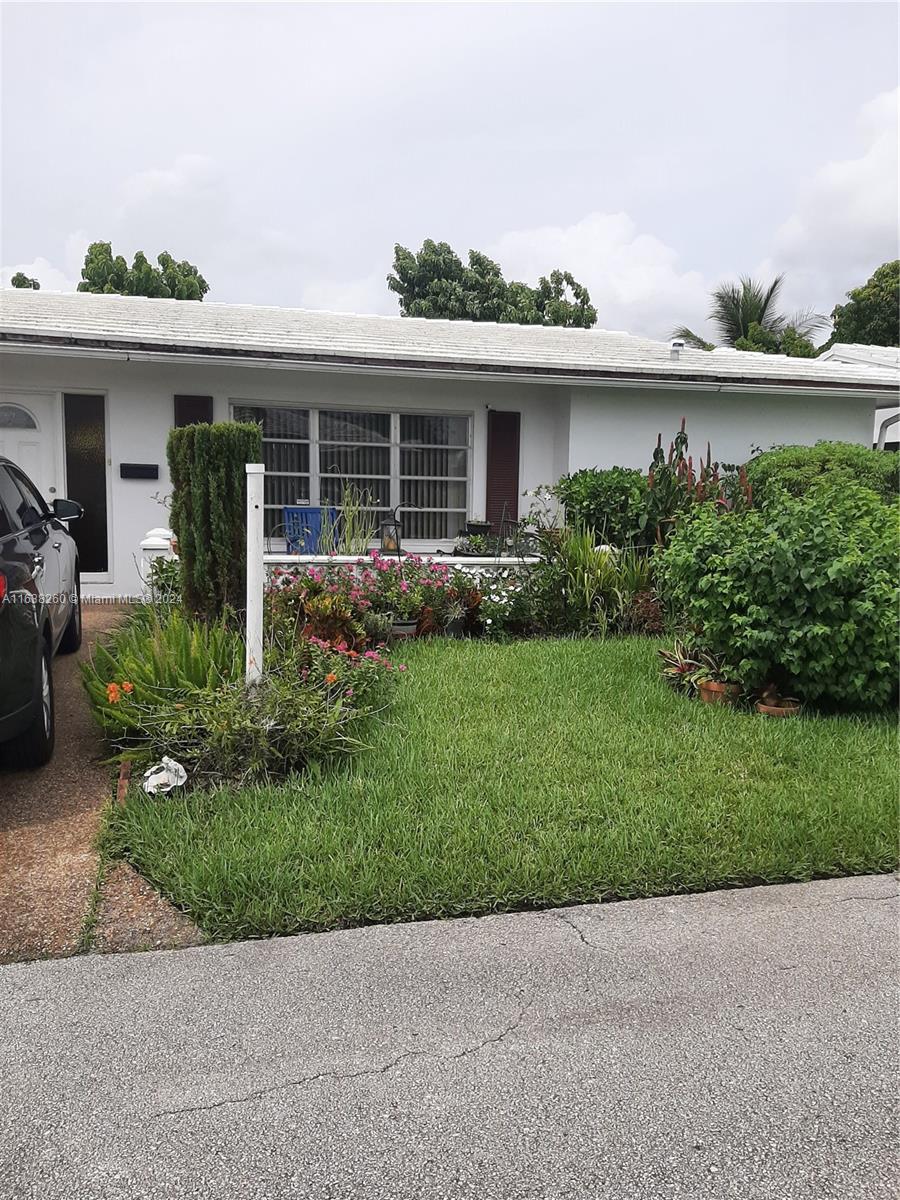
(735, 307)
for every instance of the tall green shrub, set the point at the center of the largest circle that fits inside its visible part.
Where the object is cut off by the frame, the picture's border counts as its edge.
(802, 593)
(611, 502)
(208, 515)
(795, 469)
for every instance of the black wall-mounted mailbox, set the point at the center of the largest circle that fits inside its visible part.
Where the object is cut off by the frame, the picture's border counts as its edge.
(139, 470)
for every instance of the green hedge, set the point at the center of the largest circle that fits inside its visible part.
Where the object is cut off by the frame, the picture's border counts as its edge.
(208, 515)
(795, 469)
(801, 593)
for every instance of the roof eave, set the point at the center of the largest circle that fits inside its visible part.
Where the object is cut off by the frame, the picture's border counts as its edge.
(173, 352)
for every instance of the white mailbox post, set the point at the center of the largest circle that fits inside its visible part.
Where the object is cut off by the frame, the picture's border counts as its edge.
(256, 571)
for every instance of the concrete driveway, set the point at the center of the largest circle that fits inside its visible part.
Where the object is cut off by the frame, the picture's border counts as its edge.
(739, 1044)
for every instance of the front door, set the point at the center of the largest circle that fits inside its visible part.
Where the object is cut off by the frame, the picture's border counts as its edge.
(28, 437)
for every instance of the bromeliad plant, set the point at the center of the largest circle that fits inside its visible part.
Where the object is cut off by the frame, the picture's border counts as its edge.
(675, 485)
(681, 668)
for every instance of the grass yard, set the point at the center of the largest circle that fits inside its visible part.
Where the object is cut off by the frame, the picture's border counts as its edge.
(527, 775)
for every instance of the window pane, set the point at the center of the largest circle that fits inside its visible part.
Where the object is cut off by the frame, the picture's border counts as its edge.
(355, 460)
(276, 422)
(286, 489)
(354, 427)
(14, 417)
(286, 456)
(432, 493)
(85, 432)
(273, 522)
(434, 462)
(432, 526)
(375, 492)
(434, 431)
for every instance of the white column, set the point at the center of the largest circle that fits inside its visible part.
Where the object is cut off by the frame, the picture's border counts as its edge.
(255, 570)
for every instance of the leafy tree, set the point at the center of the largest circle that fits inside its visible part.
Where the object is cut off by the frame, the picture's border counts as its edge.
(104, 272)
(788, 341)
(872, 316)
(434, 282)
(737, 307)
(21, 280)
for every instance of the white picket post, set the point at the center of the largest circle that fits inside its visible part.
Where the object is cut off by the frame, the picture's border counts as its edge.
(255, 571)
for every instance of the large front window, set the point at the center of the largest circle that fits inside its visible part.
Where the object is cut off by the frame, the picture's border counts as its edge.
(419, 462)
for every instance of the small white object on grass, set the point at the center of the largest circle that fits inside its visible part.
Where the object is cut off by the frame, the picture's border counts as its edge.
(163, 777)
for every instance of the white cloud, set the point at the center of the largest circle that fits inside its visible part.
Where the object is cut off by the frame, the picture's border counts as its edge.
(845, 222)
(51, 278)
(188, 174)
(634, 279)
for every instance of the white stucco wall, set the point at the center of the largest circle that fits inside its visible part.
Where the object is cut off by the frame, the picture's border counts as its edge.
(619, 426)
(563, 429)
(140, 415)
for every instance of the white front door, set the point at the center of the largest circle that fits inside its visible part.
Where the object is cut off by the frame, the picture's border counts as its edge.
(28, 436)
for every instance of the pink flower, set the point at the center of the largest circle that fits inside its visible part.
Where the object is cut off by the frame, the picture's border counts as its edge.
(401, 666)
(349, 693)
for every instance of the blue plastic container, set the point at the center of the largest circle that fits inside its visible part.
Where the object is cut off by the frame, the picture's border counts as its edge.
(303, 528)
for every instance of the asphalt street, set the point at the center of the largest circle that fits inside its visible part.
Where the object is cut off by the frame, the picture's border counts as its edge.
(738, 1044)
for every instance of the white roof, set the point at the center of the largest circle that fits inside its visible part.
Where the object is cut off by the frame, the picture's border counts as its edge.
(86, 323)
(856, 352)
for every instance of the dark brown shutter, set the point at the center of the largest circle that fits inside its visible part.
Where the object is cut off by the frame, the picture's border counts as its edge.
(193, 410)
(502, 467)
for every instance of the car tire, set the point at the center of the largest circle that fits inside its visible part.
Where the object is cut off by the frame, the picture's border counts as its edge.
(34, 747)
(71, 638)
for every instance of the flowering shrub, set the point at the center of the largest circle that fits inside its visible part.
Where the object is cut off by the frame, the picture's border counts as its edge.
(407, 589)
(167, 685)
(507, 603)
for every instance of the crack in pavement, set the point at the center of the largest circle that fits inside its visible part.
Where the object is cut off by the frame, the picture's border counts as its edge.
(559, 916)
(342, 1075)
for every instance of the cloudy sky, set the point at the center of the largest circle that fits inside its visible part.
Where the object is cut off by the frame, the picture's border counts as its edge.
(651, 149)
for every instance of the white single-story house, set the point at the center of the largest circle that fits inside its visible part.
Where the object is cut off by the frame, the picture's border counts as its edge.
(452, 418)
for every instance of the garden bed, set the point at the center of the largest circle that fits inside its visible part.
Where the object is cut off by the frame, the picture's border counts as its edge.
(523, 775)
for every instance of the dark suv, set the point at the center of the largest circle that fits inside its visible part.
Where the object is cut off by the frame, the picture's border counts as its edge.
(40, 613)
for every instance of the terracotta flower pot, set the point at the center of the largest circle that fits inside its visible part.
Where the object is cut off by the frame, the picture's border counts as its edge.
(787, 709)
(713, 692)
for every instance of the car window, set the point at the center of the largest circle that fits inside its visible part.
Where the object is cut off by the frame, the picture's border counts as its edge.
(10, 503)
(33, 510)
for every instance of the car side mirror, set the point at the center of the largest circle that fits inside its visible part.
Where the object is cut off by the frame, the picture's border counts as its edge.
(67, 510)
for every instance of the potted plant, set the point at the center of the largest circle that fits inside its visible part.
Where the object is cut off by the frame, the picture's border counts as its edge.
(772, 704)
(455, 619)
(403, 627)
(713, 684)
(406, 612)
(680, 668)
(478, 527)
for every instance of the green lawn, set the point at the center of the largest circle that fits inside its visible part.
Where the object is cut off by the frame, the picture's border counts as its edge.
(527, 775)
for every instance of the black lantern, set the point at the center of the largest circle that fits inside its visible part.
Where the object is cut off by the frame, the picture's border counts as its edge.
(391, 531)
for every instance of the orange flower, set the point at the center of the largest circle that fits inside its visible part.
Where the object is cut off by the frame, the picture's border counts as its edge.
(127, 687)
(331, 678)
(113, 695)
